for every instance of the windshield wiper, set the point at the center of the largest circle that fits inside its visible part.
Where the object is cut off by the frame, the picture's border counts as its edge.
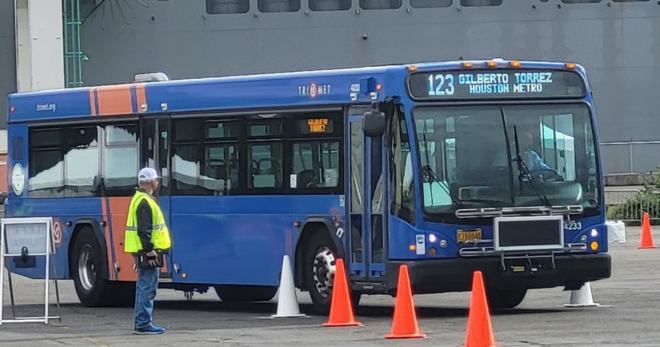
(434, 177)
(524, 170)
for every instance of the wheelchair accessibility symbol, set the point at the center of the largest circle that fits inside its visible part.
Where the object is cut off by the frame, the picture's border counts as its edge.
(57, 231)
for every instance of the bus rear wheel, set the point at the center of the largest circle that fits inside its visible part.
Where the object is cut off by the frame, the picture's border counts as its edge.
(501, 298)
(228, 293)
(89, 272)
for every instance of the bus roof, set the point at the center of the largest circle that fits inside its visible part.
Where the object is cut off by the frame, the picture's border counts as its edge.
(291, 89)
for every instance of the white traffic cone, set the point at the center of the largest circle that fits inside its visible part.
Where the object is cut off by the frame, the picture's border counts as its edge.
(287, 302)
(582, 297)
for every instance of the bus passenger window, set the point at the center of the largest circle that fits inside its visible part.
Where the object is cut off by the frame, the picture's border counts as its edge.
(120, 159)
(222, 130)
(259, 128)
(185, 168)
(46, 174)
(205, 158)
(315, 165)
(220, 169)
(46, 169)
(265, 165)
(81, 162)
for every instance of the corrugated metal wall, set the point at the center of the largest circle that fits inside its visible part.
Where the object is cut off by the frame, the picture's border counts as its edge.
(619, 43)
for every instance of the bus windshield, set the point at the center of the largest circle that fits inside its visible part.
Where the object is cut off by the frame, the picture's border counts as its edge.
(502, 156)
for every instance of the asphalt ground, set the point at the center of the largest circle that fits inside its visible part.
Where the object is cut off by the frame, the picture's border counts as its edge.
(629, 317)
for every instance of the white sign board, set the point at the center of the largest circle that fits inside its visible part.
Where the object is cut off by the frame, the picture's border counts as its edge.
(29, 235)
(34, 236)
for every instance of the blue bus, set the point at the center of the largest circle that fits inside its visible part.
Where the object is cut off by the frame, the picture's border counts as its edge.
(446, 167)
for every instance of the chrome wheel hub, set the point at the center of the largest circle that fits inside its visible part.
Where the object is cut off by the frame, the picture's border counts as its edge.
(86, 268)
(324, 271)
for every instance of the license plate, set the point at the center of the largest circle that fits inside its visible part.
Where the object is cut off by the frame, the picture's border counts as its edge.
(468, 235)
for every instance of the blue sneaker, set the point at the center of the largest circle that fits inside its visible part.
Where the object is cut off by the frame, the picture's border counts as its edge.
(149, 330)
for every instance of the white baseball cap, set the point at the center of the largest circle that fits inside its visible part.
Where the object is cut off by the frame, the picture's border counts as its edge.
(147, 174)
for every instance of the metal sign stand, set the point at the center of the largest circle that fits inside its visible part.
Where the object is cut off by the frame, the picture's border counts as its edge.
(44, 250)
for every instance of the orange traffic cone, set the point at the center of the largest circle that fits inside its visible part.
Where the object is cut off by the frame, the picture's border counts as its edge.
(341, 309)
(404, 325)
(479, 331)
(646, 239)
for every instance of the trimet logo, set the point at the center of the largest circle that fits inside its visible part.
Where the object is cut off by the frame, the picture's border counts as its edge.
(313, 90)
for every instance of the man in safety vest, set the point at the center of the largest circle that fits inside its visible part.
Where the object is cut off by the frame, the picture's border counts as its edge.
(146, 237)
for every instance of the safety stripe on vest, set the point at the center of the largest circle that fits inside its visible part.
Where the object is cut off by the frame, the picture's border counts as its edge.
(154, 227)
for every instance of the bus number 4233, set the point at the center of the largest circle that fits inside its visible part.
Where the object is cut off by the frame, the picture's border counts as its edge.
(441, 85)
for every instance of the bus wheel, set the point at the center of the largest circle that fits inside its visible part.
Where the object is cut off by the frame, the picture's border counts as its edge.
(500, 298)
(89, 273)
(319, 271)
(245, 293)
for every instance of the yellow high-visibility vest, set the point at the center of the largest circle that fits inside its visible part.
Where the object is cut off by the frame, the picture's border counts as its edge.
(160, 234)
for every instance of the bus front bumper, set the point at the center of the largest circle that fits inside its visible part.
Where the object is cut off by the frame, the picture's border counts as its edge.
(455, 275)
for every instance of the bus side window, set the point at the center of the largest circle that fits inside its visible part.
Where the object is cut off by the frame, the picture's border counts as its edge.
(46, 170)
(265, 165)
(81, 162)
(120, 159)
(205, 156)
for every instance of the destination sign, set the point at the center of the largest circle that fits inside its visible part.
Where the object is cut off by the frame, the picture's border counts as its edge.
(492, 84)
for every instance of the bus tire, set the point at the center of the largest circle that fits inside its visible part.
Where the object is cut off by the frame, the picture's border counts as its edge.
(319, 262)
(229, 293)
(89, 272)
(501, 298)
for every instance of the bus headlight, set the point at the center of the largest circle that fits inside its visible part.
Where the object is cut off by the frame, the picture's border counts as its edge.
(432, 238)
(594, 246)
(594, 233)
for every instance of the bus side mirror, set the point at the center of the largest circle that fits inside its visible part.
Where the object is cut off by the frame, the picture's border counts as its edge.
(374, 123)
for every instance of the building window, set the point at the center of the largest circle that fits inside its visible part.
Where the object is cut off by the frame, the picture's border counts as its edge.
(468, 3)
(278, 5)
(380, 4)
(227, 6)
(330, 5)
(580, 1)
(430, 3)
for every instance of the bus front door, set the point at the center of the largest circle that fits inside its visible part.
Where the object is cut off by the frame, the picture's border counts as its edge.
(366, 206)
(154, 143)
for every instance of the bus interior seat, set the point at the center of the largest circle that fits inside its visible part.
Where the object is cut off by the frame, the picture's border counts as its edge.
(264, 175)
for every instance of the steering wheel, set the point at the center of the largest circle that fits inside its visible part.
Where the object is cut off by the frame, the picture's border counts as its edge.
(550, 175)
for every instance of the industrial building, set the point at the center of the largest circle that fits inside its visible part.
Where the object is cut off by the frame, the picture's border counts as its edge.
(69, 43)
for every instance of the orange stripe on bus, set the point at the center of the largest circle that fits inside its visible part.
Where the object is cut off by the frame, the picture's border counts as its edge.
(106, 236)
(92, 102)
(114, 100)
(141, 97)
(125, 261)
